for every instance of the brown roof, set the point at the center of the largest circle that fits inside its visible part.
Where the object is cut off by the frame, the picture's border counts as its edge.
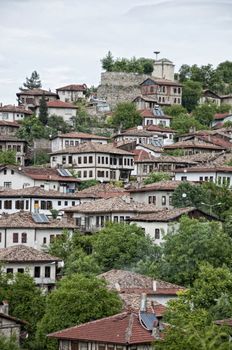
(23, 219)
(135, 132)
(15, 109)
(226, 322)
(132, 301)
(131, 282)
(112, 205)
(42, 173)
(202, 169)
(146, 113)
(12, 318)
(36, 191)
(219, 116)
(163, 215)
(6, 123)
(124, 328)
(11, 138)
(60, 104)
(104, 190)
(151, 147)
(81, 135)
(73, 87)
(160, 81)
(22, 253)
(36, 92)
(159, 128)
(93, 147)
(142, 155)
(192, 144)
(158, 186)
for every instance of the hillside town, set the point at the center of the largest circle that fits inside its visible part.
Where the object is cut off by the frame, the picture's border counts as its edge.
(116, 207)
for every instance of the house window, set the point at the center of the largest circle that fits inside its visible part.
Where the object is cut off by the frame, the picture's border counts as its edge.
(8, 205)
(7, 184)
(0, 204)
(115, 218)
(18, 148)
(170, 200)
(152, 199)
(85, 173)
(47, 272)
(99, 160)
(59, 203)
(73, 203)
(201, 178)
(37, 272)
(85, 160)
(78, 222)
(70, 159)
(163, 200)
(90, 159)
(145, 169)
(63, 160)
(12, 172)
(91, 173)
(0, 236)
(107, 160)
(121, 218)
(183, 178)
(5, 171)
(20, 270)
(79, 160)
(219, 180)
(24, 238)
(19, 204)
(157, 233)
(44, 240)
(103, 160)
(9, 270)
(65, 203)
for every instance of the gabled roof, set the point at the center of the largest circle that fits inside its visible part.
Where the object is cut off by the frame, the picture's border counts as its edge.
(104, 190)
(160, 81)
(22, 253)
(80, 135)
(221, 116)
(73, 87)
(93, 147)
(36, 192)
(193, 144)
(11, 138)
(36, 92)
(124, 328)
(159, 128)
(158, 186)
(206, 169)
(112, 205)
(15, 109)
(165, 215)
(23, 219)
(12, 318)
(12, 124)
(41, 173)
(60, 104)
(125, 281)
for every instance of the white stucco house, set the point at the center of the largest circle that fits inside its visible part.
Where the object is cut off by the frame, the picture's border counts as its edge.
(91, 160)
(42, 267)
(12, 113)
(71, 93)
(72, 139)
(66, 110)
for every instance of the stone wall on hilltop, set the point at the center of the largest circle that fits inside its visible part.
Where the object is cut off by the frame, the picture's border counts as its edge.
(118, 87)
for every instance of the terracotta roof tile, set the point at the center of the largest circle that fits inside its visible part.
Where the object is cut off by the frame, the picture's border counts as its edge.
(219, 116)
(158, 186)
(6, 123)
(73, 87)
(163, 215)
(22, 253)
(202, 169)
(15, 109)
(192, 144)
(37, 191)
(36, 92)
(112, 205)
(60, 104)
(123, 328)
(93, 147)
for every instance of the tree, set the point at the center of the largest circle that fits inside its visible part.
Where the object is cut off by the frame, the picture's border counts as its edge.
(126, 116)
(156, 177)
(188, 195)
(225, 70)
(87, 184)
(217, 199)
(175, 110)
(8, 157)
(41, 157)
(76, 300)
(108, 62)
(183, 123)
(31, 128)
(120, 246)
(204, 113)
(193, 243)
(43, 110)
(57, 123)
(191, 94)
(33, 82)
(7, 343)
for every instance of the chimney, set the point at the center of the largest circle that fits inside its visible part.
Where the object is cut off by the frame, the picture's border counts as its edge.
(143, 302)
(154, 285)
(156, 330)
(4, 307)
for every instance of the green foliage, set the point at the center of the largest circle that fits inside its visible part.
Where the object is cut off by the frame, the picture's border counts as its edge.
(156, 177)
(225, 70)
(57, 123)
(175, 110)
(87, 184)
(31, 128)
(191, 94)
(188, 195)
(41, 157)
(204, 113)
(223, 108)
(183, 123)
(82, 121)
(140, 65)
(77, 299)
(125, 116)
(218, 197)
(54, 213)
(43, 110)
(33, 82)
(120, 246)
(8, 157)
(193, 243)
(7, 343)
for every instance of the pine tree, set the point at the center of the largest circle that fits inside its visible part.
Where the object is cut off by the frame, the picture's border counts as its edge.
(43, 110)
(33, 82)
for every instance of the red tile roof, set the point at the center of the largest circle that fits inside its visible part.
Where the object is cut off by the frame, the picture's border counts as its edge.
(159, 128)
(146, 113)
(15, 109)
(158, 186)
(60, 104)
(6, 123)
(73, 87)
(142, 155)
(193, 144)
(219, 116)
(207, 169)
(36, 92)
(124, 328)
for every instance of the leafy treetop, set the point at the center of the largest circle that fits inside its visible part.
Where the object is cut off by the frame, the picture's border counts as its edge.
(33, 82)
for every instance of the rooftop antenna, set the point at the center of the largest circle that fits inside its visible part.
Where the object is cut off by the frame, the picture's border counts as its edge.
(156, 54)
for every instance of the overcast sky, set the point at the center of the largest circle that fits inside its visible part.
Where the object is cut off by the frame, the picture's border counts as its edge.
(64, 40)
